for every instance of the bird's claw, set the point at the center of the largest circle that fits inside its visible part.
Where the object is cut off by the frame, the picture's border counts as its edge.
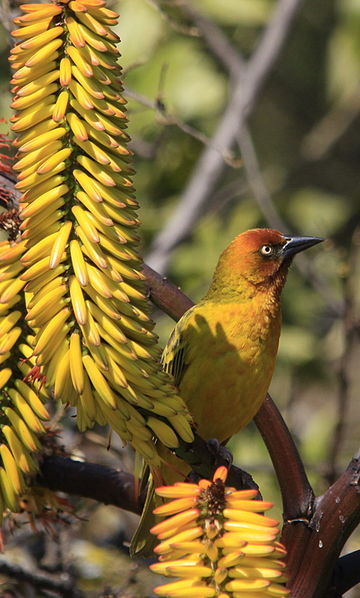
(222, 455)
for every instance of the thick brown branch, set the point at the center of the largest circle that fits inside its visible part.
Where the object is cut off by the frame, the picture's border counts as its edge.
(336, 516)
(90, 480)
(165, 294)
(118, 488)
(297, 494)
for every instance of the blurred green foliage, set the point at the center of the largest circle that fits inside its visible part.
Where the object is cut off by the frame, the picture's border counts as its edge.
(306, 133)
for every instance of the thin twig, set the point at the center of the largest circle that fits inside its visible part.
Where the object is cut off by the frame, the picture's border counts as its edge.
(168, 119)
(327, 132)
(217, 42)
(183, 29)
(266, 205)
(256, 181)
(210, 165)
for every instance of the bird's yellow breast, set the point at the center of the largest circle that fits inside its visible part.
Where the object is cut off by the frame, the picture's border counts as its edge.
(231, 352)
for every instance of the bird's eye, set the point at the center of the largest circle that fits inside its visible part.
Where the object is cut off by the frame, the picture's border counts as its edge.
(266, 250)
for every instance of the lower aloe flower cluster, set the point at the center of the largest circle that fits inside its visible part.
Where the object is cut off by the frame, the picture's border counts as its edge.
(218, 542)
(21, 407)
(84, 289)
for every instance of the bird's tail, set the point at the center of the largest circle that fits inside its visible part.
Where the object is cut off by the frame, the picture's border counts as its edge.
(143, 542)
(170, 471)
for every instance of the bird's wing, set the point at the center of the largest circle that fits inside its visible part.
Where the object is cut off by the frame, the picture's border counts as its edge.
(174, 358)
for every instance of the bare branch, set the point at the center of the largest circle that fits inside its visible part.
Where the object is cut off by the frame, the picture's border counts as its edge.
(210, 165)
(336, 516)
(165, 294)
(271, 215)
(119, 488)
(257, 183)
(168, 119)
(296, 492)
(327, 132)
(179, 28)
(216, 40)
(90, 480)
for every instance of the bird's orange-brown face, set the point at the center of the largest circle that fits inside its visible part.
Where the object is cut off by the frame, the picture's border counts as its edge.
(259, 257)
(259, 254)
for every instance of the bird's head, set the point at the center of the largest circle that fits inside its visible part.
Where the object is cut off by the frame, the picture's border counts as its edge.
(258, 258)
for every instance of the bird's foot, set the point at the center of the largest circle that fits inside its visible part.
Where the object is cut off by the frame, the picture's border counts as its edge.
(222, 455)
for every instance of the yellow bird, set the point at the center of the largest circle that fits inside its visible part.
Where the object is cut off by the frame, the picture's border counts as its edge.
(222, 351)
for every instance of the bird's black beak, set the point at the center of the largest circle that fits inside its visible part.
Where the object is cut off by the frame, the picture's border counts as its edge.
(294, 245)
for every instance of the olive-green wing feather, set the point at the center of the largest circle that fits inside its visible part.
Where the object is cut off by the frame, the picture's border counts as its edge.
(174, 361)
(174, 355)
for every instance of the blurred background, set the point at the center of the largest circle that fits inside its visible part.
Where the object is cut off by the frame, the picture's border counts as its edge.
(294, 165)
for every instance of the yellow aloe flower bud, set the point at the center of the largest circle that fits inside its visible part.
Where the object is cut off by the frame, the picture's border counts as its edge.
(87, 303)
(217, 542)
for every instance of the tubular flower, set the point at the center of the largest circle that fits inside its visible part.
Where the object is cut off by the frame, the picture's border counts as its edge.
(21, 408)
(86, 293)
(217, 542)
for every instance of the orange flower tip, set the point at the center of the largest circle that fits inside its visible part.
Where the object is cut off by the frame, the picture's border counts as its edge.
(204, 484)
(242, 495)
(175, 506)
(248, 517)
(175, 521)
(221, 474)
(248, 505)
